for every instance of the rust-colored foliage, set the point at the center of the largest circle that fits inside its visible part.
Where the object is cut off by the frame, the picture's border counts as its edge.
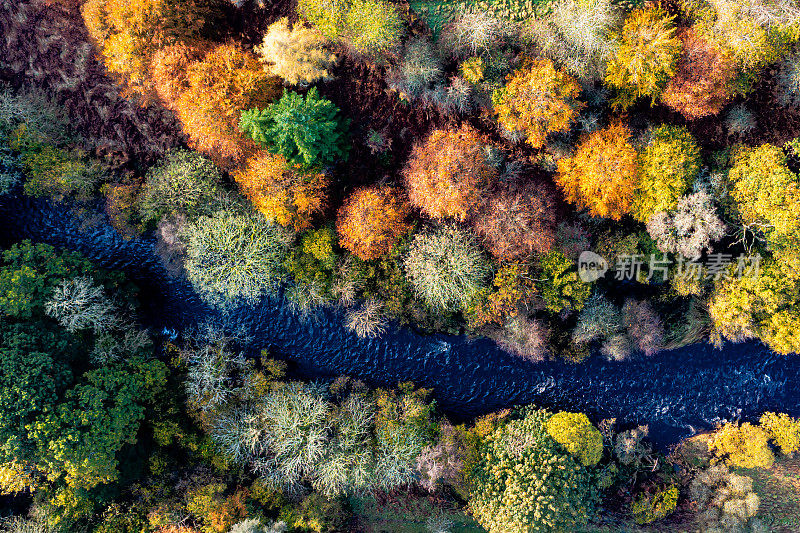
(129, 32)
(512, 289)
(168, 70)
(371, 221)
(703, 81)
(514, 222)
(281, 193)
(446, 173)
(226, 81)
(602, 174)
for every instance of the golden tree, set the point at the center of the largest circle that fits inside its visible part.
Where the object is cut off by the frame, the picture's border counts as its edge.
(446, 173)
(602, 175)
(283, 194)
(538, 100)
(371, 221)
(226, 81)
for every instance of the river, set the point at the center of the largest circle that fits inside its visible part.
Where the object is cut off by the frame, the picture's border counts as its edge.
(676, 393)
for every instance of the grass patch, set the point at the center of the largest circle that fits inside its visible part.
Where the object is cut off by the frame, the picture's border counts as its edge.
(779, 491)
(407, 513)
(438, 13)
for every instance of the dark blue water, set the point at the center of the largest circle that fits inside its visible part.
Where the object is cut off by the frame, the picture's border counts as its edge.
(676, 393)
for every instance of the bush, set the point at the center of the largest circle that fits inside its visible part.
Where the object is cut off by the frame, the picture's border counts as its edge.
(298, 55)
(526, 483)
(515, 222)
(645, 327)
(743, 446)
(371, 221)
(281, 193)
(231, 257)
(537, 100)
(224, 82)
(766, 192)
(725, 500)
(56, 172)
(446, 268)
(475, 34)
(601, 176)
(512, 291)
(740, 120)
(647, 56)
(80, 304)
(183, 183)
(373, 27)
(307, 131)
(525, 338)
(559, 284)
(446, 173)
(783, 430)
(368, 320)
(326, 15)
(130, 32)
(668, 166)
(648, 508)
(577, 435)
(787, 84)
(688, 229)
(420, 70)
(598, 320)
(704, 77)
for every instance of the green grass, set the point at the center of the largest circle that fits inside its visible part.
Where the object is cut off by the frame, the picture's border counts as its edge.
(407, 514)
(779, 491)
(438, 13)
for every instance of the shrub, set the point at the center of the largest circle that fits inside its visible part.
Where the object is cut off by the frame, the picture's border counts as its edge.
(231, 257)
(668, 166)
(766, 192)
(515, 222)
(226, 81)
(525, 338)
(760, 304)
(368, 320)
(559, 284)
(130, 32)
(79, 304)
(446, 172)
(704, 78)
(183, 182)
(576, 36)
(740, 120)
(688, 229)
(601, 176)
(512, 291)
(648, 508)
(371, 221)
(538, 100)
(306, 130)
(725, 500)
(56, 172)
(373, 27)
(326, 15)
(298, 54)
(599, 319)
(783, 430)
(647, 56)
(10, 173)
(446, 268)
(420, 70)
(474, 34)
(526, 483)
(281, 193)
(645, 328)
(787, 84)
(45, 120)
(577, 435)
(743, 446)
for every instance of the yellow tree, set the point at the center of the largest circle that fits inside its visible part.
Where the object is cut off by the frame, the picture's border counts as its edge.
(283, 194)
(538, 100)
(602, 175)
(371, 221)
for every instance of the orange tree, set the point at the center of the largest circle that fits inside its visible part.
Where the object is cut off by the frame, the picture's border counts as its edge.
(537, 100)
(129, 32)
(647, 55)
(371, 221)
(703, 81)
(447, 172)
(601, 176)
(515, 222)
(227, 80)
(282, 193)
